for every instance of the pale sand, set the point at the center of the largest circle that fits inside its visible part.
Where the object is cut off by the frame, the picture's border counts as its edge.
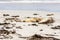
(31, 30)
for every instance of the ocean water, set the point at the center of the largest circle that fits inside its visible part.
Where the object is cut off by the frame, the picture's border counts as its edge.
(52, 7)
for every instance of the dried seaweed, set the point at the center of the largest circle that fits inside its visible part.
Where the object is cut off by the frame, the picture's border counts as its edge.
(39, 37)
(4, 23)
(56, 27)
(5, 14)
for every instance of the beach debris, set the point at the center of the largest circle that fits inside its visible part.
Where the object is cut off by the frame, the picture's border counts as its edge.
(16, 16)
(46, 20)
(40, 20)
(56, 27)
(5, 34)
(19, 27)
(35, 14)
(41, 29)
(50, 14)
(24, 37)
(8, 27)
(32, 20)
(4, 23)
(10, 18)
(13, 19)
(17, 20)
(6, 37)
(51, 35)
(39, 37)
(13, 32)
(28, 17)
(2, 32)
(5, 14)
(33, 24)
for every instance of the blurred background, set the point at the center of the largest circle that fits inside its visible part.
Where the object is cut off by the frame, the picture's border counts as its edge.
(29, 0)
(52, 7)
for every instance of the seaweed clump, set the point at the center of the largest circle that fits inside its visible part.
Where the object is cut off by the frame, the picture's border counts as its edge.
(39, 37)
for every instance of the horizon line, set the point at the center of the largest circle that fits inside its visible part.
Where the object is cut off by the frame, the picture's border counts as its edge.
(29, 1)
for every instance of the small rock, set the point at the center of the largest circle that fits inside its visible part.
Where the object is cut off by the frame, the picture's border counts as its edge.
(50, 14)
(41, 30)
(56, 27)
(13, 32)
(5, 14)
(33, 24)
(19, 27)
(15, 16)
(35, 14)
(28, 17)
(7, 27)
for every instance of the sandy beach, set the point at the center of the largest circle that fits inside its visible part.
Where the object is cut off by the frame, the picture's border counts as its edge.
(27, 29)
